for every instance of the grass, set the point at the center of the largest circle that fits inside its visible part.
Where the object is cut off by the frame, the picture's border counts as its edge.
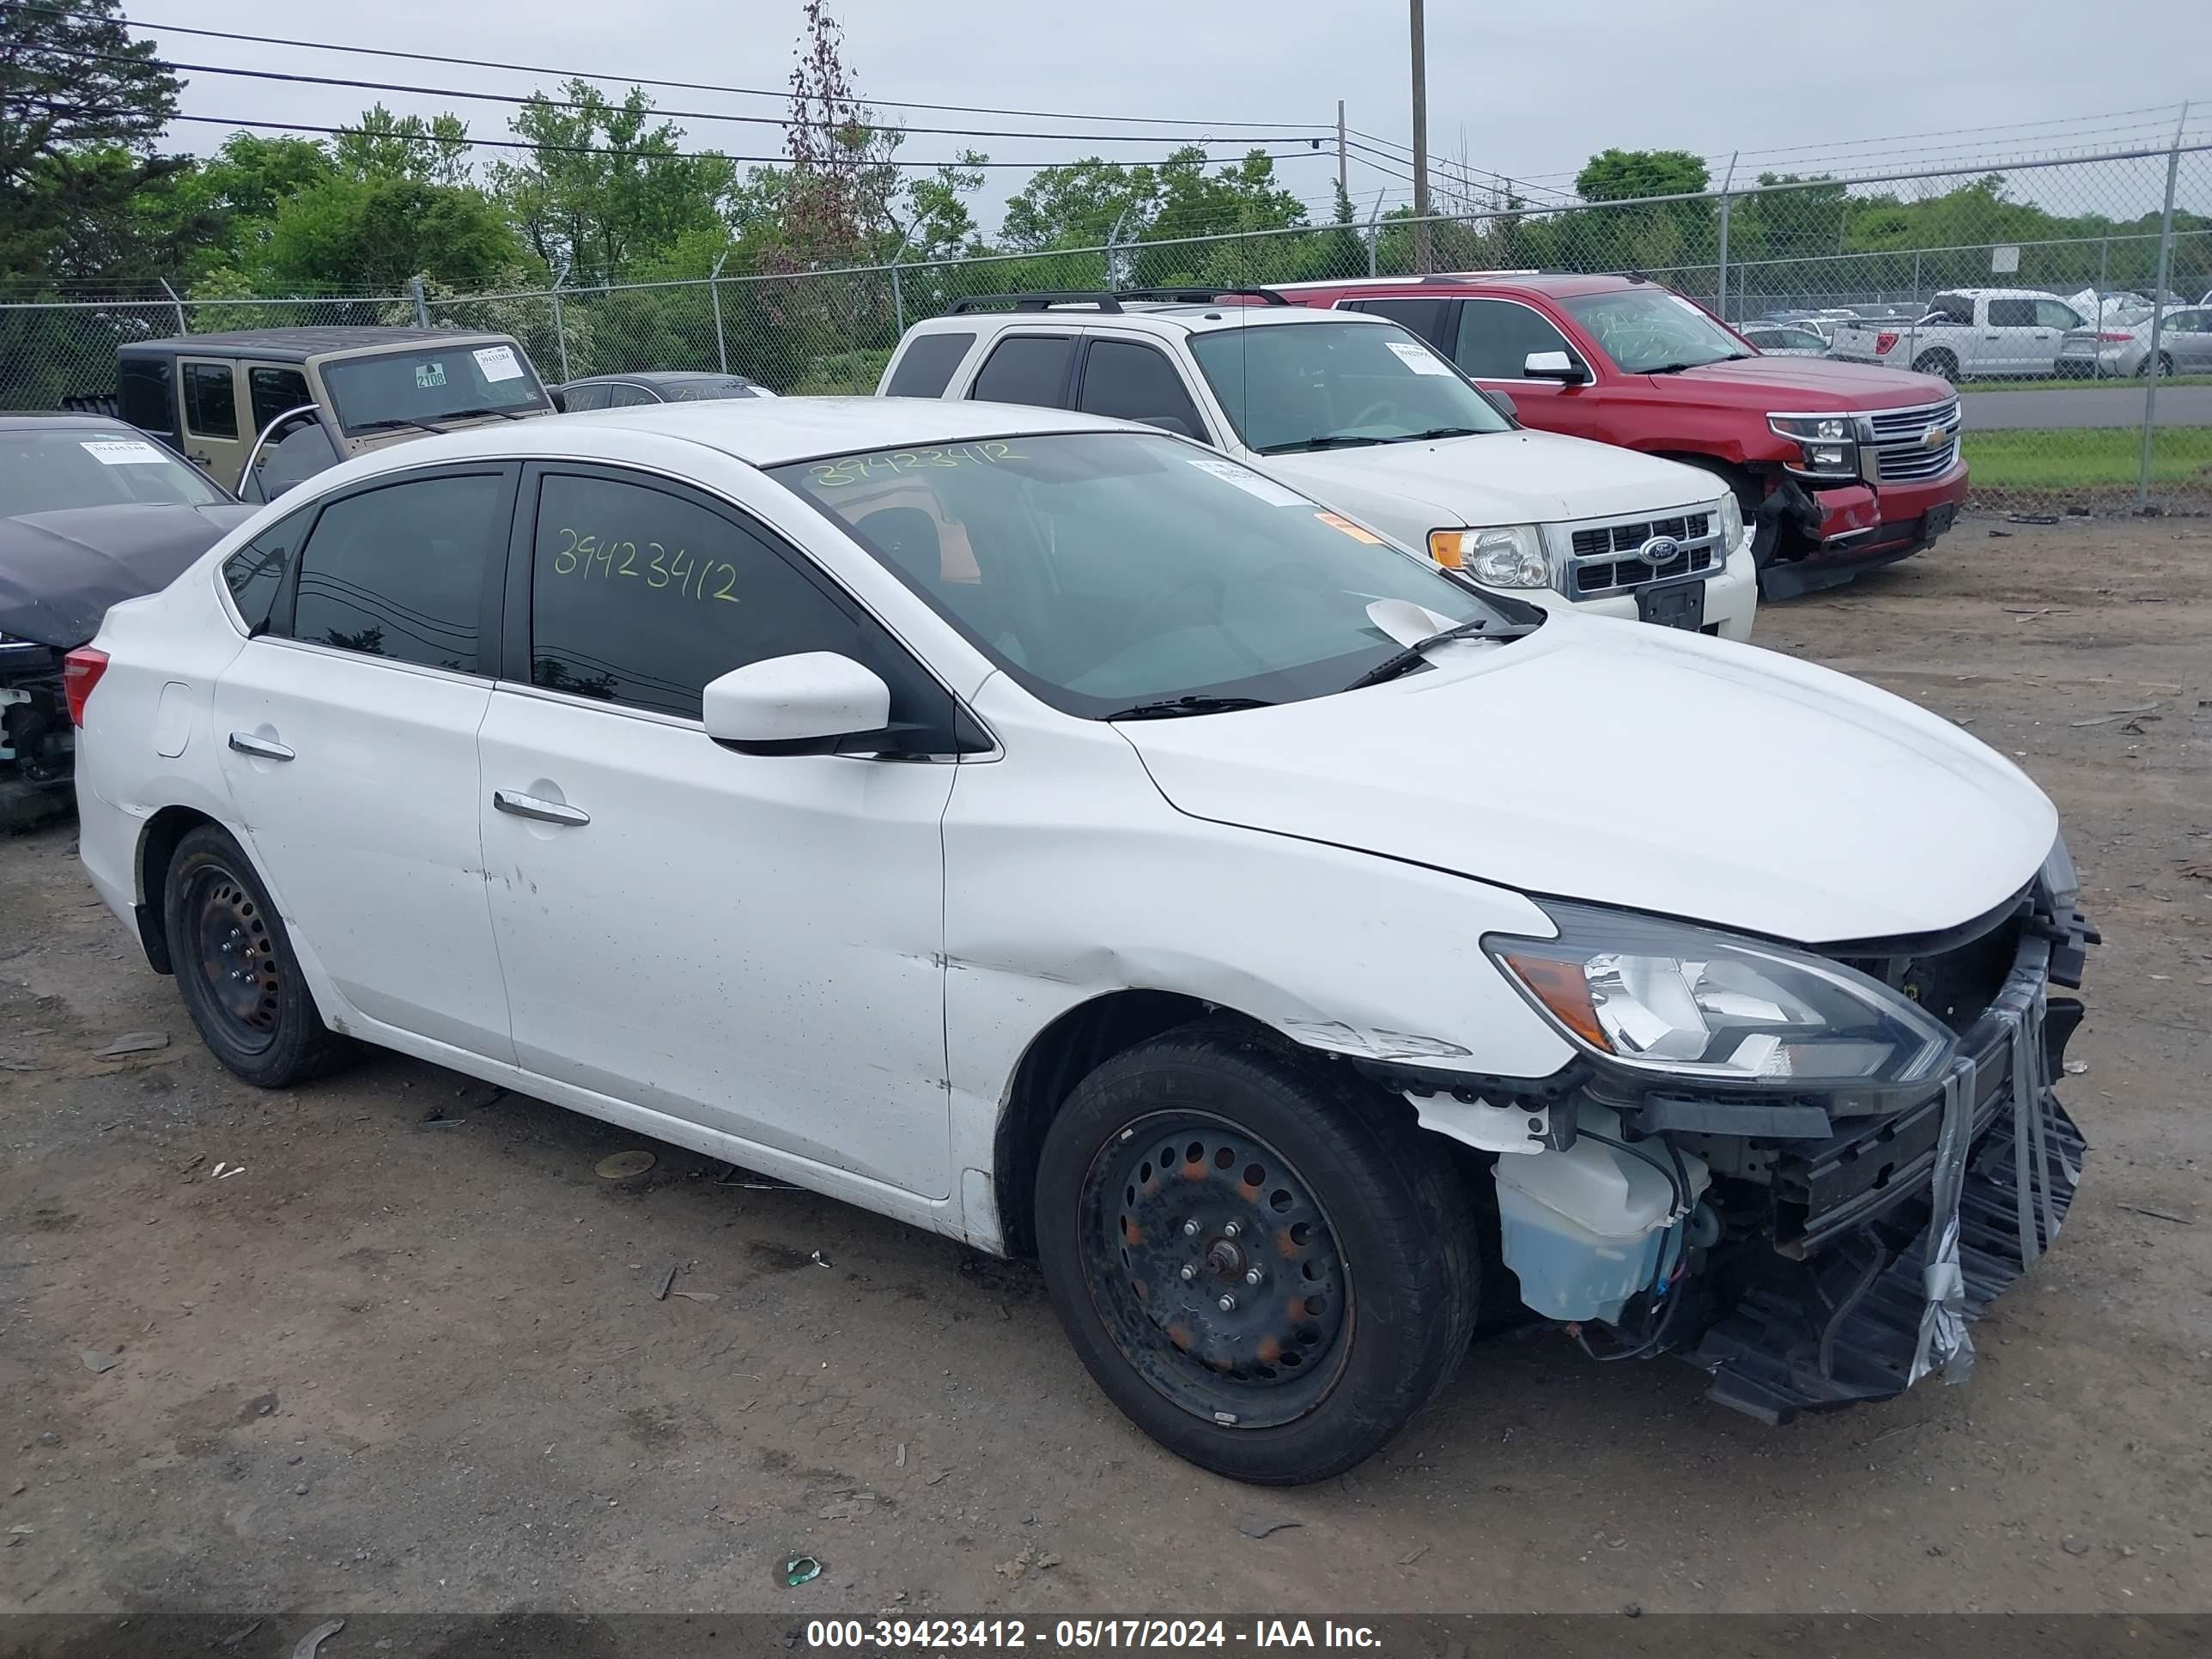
(2085, 457)
(2108, 383)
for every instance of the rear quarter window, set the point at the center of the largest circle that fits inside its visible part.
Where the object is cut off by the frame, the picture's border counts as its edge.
(927, 366)
(146, 394)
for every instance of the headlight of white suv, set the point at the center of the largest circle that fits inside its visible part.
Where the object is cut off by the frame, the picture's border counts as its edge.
(1504, 555)
(1665, 997)
(1731, 524)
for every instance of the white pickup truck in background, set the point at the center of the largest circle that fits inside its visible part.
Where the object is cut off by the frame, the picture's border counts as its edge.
(1971, 333)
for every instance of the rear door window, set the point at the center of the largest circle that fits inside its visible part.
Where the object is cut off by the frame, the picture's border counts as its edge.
(398, 572)
(1027, 368)
(1953, 308)
(211, 400)
(926, 369)
(2012, 314)
(1427, 318)
(1133, 382)
(1496, 338)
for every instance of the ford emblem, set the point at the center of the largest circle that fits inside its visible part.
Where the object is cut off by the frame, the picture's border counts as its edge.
(1660, 551)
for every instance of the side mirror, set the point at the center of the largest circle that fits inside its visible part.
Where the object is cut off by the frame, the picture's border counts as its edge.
(1174, 423)
(810, 704)
(1503, 402)
(1551, 366)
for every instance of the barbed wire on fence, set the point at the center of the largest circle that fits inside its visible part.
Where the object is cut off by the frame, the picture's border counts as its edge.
(2133, 223)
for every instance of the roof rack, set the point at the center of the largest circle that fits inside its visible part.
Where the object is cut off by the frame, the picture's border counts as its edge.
(1111, 302)
(1037, 299)
(1201, 294)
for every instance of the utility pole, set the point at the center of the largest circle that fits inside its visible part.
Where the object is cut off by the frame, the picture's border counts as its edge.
(1421, 257)
(1343, 184)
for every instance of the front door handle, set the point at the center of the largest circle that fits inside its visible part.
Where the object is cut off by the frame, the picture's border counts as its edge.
(545, 811)
(260, 748)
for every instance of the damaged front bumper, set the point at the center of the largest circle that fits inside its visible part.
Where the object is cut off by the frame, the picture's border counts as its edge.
(1839, 1253)
(1902, 1246)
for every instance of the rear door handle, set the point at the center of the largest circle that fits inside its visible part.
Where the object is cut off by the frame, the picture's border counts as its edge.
(261, 748)
(544, 812)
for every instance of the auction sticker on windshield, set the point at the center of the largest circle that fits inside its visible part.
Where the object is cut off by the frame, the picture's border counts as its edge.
(1419, 358)
(121, 452)
(428, 374)
(498, 363)
(1250, 483)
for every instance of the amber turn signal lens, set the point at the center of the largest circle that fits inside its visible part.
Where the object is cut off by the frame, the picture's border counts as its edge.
(1560, 987)
(1449, 548)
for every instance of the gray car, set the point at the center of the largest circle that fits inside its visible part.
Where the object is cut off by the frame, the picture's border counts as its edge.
(1784, 339)
(2116, 351)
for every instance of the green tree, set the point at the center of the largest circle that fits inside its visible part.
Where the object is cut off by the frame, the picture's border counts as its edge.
(381, 230)
(1665, 236)
(81, 108)
(606, 188)
(384, 145)
(217, 214)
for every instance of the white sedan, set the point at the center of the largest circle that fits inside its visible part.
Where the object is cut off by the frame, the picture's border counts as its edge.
(1046, 831)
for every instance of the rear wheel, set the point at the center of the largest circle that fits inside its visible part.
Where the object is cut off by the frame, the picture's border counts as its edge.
(1940, 363)
(236, 969)
(1263, 1263)
(2165, 366)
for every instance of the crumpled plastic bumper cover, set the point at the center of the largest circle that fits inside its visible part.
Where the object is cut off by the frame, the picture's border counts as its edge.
(1864, 1319)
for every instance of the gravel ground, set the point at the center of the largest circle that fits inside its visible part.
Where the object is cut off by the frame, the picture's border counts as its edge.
(410, 1358)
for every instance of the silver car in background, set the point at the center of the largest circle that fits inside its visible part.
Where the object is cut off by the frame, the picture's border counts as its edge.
(2123, 348)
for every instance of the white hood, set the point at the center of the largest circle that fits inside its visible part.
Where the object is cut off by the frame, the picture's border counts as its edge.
(1498, 477)
(1636, 766)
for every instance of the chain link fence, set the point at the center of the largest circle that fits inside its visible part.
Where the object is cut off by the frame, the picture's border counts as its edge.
(2070, 299)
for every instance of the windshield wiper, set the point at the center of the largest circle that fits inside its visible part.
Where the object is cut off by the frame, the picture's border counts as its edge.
(1412, 656)
(1706, 363)
(1335, 440)
(1441, 432)
(473, 414)
(392, 421)
(1168, 708)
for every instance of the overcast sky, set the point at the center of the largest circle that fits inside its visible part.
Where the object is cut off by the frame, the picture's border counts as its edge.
(1528, 90)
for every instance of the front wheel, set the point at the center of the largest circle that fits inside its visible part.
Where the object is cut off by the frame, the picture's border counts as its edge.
(236, 968)
(1266, 1265)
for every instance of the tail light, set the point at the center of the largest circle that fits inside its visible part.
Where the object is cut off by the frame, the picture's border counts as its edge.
(81, 670)
(1885, 342)
(2115, 339)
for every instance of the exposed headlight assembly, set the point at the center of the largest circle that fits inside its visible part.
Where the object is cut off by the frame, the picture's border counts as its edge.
(1828, 445)
(1731, 511)
(1666, 998)
(1504, 555)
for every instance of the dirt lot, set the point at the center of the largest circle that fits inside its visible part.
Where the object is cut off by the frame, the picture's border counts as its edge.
(411, 1359)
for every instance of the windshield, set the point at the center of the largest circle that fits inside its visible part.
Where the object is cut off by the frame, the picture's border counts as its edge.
(1650, 330)
(1325, 385)
(1107, 570)
(52, 471)
(428, 384)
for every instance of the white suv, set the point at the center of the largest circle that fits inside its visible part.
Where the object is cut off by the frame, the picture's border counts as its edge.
(1360, 413)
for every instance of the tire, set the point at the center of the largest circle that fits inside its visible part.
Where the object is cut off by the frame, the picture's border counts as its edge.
(236, 968)
(1300, 1171)
(1940, 363)
(2165, 367)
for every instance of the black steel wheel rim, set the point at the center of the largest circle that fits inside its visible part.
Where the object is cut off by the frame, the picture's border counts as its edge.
(236, 955)
(1215, 1270)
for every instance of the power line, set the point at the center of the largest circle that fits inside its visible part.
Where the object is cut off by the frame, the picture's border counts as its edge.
(524, 100)
(1466, 172)
(602, 149)
(679, 86)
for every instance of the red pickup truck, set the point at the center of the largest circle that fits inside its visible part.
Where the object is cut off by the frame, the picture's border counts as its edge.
(1842, 466)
